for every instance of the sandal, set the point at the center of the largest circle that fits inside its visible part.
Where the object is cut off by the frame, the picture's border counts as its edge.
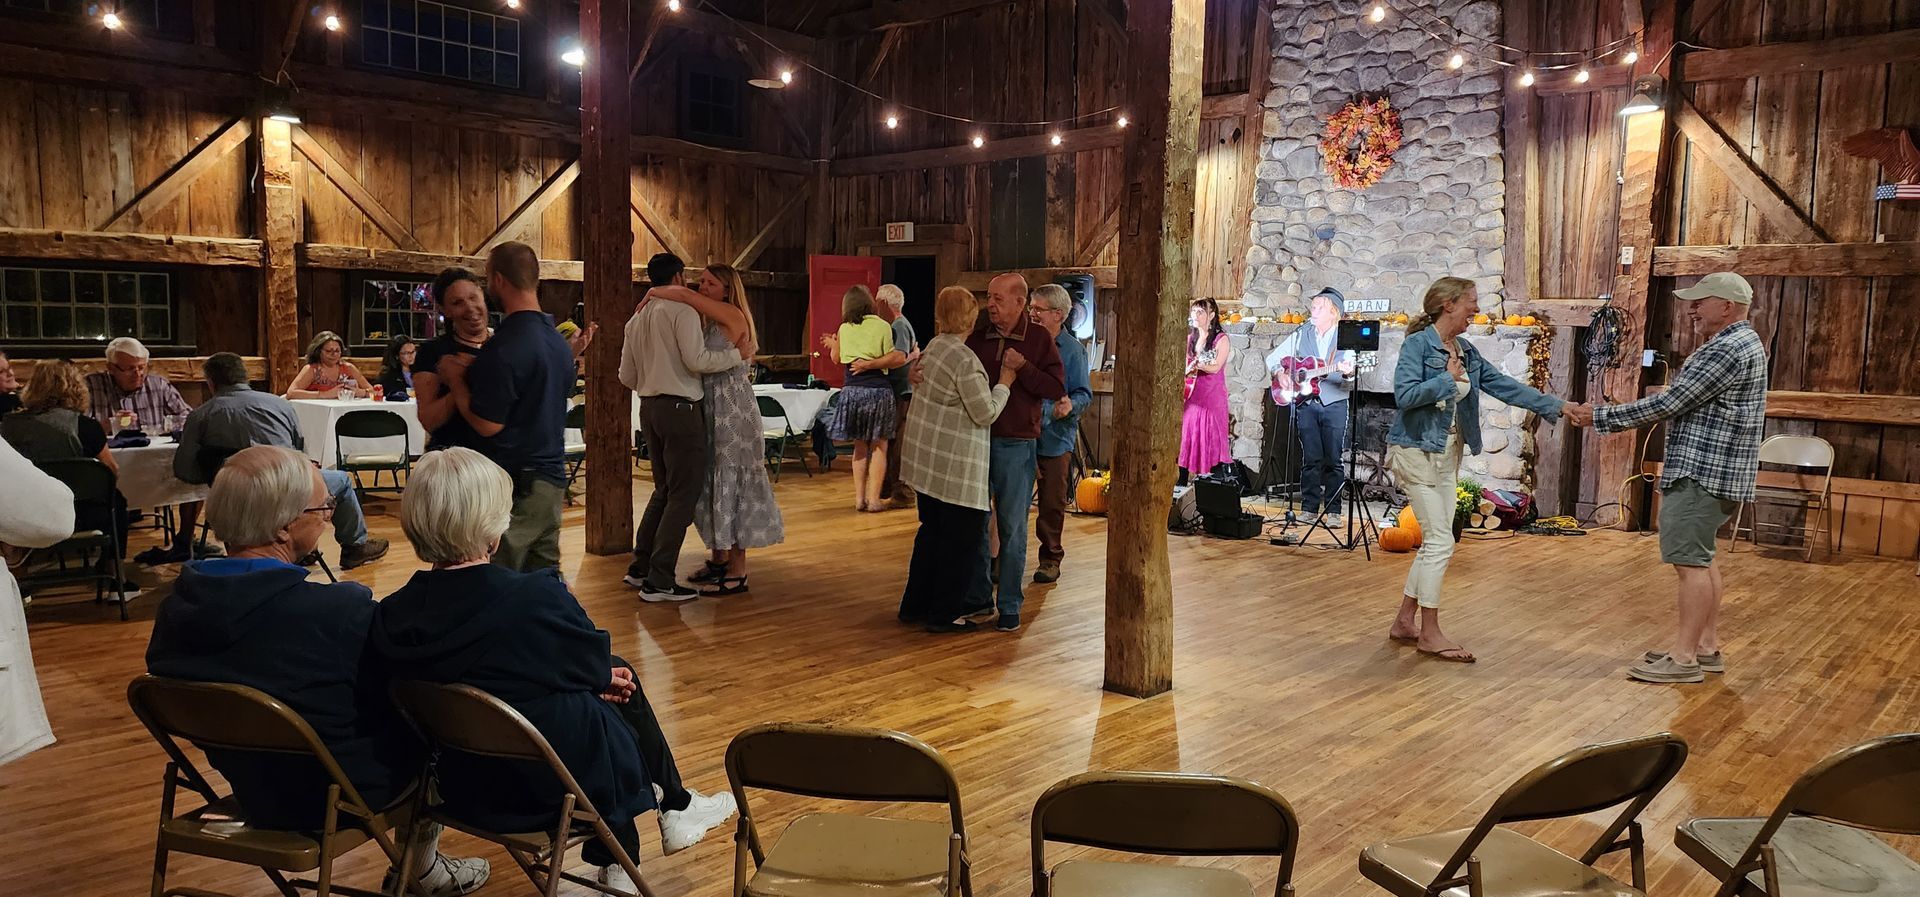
(709, 572)
(1451, 655)
(727, 585)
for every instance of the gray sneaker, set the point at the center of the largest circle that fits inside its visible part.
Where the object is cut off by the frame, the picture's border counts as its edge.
(448, 877)
(1665, 670)
(1709, 663)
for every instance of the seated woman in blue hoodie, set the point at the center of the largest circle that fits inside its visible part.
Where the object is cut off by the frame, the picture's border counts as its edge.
(522, 638)
(253, 619)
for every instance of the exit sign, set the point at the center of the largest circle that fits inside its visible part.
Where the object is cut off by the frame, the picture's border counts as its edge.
(899, 231)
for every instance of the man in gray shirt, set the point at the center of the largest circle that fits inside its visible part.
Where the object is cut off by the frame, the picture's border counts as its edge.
(888, 304)
(236, 418)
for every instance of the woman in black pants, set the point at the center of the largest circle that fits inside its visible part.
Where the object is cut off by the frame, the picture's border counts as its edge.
(522, 638)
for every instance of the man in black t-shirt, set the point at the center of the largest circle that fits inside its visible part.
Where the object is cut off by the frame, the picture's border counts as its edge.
(514, 395)
(462, 301)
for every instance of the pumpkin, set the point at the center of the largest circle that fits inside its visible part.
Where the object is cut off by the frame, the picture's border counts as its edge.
(1513, 320)
(1399, 539)
(1091, 496)
(1481, 318)
(1528, 321)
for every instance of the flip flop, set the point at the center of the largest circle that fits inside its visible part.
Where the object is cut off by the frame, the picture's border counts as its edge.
(1451, 655)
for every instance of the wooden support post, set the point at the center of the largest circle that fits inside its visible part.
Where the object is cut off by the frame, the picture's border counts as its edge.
(277, 214)
(1061, 93)
(606, 252)
(1643, 223)
(1156, 236)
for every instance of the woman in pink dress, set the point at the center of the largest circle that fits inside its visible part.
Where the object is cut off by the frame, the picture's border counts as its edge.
(1203, 427)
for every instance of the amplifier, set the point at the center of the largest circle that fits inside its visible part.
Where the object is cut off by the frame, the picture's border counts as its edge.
(1242, 526)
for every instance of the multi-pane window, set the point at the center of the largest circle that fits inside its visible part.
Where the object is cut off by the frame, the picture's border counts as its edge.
(54, 305)
(390, 308)
(710, 107)
(441, 40)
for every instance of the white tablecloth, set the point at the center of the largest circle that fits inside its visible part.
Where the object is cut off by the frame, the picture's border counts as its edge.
(318, 417)
(146, 476)
(803, 406)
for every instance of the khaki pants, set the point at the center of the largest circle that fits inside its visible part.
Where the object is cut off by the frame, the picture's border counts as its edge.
(1430, 481)
(532, 539)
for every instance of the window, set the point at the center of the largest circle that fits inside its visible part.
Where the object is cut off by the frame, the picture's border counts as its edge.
(56, 305)
(441, 40)
(710, 107)
(386, 306)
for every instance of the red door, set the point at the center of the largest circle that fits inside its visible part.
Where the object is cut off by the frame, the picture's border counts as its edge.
(828, 278)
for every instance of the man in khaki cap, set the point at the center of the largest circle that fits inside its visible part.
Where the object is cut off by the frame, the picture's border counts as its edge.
(1716, 411)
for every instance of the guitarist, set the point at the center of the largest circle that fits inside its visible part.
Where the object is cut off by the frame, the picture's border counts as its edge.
(1321, 418)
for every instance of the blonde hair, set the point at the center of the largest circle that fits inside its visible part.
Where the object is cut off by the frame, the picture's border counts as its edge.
(1438, 297)
(257, 493)
(456, 505)
(55, 384)
(736, 295)
(955, 311)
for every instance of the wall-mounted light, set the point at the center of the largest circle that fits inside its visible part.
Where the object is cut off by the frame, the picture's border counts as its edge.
(1056, 141)
(1526, 80)
(111, 20)
(332, 22)
(893, 121)
(1632, 57)
(979, 141)
(1456, 60)
(1121, 122)
(1649, 95)
(1581, 76)
(574, 56)
(1379, 13)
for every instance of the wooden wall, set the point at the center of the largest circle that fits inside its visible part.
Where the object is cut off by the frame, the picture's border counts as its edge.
(1840, 335)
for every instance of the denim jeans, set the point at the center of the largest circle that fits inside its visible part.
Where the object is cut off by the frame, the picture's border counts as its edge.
(1323, 436)
(349, 526)
(1012, 465)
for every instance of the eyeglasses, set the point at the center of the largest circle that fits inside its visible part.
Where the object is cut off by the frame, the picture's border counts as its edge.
(326, 509)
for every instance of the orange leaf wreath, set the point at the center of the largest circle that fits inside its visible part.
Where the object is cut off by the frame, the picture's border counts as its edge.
(1361, 140)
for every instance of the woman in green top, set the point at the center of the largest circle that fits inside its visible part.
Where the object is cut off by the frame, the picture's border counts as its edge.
(865, 413)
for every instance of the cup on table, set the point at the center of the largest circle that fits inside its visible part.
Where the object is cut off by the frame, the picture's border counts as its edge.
(124, 420)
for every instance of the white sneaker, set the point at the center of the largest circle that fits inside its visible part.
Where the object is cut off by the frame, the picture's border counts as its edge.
(448, 877)
(616, 877)
(681, 829)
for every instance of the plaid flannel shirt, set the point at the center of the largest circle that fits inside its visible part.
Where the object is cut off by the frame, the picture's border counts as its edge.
(944, 444)
(1716, 408)
(153, 401)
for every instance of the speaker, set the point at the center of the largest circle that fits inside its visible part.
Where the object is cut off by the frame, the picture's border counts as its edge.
(1080, 318)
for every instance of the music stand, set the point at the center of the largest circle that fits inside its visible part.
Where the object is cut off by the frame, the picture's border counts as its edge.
(1357, 336)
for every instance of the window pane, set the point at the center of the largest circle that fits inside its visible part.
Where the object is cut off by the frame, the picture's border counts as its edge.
(90, 287)
(430, 56)
(506, 70)
(20, 286)
(56, 286)
(122, 322)
(507, 38)
(153, 289)
(456, 27)
(481, 33)
(56, 322)
(90, 322)
(429, 20)
(122, 288)
(456, 65)
(154, 325)
(405, 55)
(374, 13)
(22, 323)
(482, 66)
(403, 15)
(373, 46)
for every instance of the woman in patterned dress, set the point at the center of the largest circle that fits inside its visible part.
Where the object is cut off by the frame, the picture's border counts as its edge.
(736, 510)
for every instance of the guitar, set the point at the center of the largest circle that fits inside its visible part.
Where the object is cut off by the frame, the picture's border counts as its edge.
(1298, 378)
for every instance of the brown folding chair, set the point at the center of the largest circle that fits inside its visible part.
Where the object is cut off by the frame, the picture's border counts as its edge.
(1818, 840)
(1162, 813)
(464, 718)
(235, 717)
(1498, 861)
(828, 854)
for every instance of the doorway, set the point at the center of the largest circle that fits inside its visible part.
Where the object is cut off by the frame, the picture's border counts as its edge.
(916, 278)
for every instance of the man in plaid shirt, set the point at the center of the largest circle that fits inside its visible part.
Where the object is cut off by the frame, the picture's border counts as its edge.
(1716, 411)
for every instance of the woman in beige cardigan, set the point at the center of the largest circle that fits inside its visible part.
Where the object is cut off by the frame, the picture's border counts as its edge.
(944, 459)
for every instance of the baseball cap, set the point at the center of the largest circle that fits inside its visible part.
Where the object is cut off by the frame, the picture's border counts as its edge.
(1719, 285)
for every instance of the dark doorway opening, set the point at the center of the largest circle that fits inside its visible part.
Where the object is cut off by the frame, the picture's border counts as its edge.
(914, 275)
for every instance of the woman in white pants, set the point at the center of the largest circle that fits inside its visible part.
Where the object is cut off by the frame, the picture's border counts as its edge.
(1436, 386)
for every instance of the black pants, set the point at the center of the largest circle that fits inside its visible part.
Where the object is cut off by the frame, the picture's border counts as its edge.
(1323, 438)
(658, 757)
(675, 431)
(946, 560)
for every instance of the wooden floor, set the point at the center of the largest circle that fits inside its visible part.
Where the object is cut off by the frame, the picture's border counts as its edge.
(1282, 675)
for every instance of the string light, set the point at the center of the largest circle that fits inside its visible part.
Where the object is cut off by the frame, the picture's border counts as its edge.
(1122, 122)
(513, 4)
(673, 5)
(1056, 139)
(979, 141)
(1632, 57)
(1379, 13)
(1582, 77)
(893, 121)
(1456, 61)
(574, 56)
(111, 20)
(786, 76)
(332, 23)
(1526, 80)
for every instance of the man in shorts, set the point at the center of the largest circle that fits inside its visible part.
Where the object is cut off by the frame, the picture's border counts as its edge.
(1716, 412)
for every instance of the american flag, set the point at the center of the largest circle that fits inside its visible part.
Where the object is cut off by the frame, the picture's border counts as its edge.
(1885, 192)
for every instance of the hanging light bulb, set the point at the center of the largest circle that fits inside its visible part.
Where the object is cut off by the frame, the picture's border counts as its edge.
(1056, 138)
(673, 5)
(513, 4)
(893, 121)
(1379, 13)
(1632, 57)
(332, 22)
(786, 76)
(1122, 122)
(1526, 80)
(1456, 60)
(979, 141)
(574, 56)
(1581, 77)
(111, 20)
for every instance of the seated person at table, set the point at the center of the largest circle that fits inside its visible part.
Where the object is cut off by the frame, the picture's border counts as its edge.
(126, 386)
(253, 619)
(462, 302)
(396, 368)
(328, 375)
(51, 426)
(9, 386)
(524, 639)
(237, 417)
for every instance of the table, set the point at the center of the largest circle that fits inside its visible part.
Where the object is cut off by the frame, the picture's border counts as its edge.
(146, 476)
(803, 406)
(319, 417)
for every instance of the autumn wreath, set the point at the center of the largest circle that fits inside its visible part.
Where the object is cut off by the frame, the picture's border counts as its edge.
(1361, 140)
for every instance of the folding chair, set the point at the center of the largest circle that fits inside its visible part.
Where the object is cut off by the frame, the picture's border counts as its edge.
(1166, 814)
(373, 424)
(575, 453)
(1803, 453)
(1499, 861)
(235, 717)
(780, 436)
(94, 485)
(1818, 840)
(824, 854)
(464, 718)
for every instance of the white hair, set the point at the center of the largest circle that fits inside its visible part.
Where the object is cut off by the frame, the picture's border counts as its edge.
(456, 506)
(259, 492)
(1053, 296)
(128, 346)
(891, 295)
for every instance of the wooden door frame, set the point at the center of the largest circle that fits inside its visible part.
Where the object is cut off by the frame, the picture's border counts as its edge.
(946, 243)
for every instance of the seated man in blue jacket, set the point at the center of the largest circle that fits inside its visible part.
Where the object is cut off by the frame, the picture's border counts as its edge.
(253, 619)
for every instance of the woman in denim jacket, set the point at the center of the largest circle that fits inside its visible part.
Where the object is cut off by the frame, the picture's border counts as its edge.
(1436, 386)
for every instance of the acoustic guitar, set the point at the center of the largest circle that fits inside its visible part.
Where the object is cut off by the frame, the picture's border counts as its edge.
(1298, 378)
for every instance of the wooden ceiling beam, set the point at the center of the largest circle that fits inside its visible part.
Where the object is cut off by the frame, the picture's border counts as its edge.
(901, 13)
(1078, 140)
(713, 23)
(154, 249)
(1803, 56)
(277, 45)
(1900, 259)
(400, 261)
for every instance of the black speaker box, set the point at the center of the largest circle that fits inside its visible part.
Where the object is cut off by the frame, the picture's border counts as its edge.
(1243, 526)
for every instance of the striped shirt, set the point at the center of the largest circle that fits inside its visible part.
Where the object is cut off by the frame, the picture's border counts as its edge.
(1716, 411)
(944, 447)
(153, 401)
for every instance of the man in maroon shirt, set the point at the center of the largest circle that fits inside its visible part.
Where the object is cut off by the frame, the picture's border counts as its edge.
(1014, 456)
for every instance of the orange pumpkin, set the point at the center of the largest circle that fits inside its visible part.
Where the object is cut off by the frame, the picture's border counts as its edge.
(1399, 539)
(1481, 318)
(1091, 495)
(1528, 320)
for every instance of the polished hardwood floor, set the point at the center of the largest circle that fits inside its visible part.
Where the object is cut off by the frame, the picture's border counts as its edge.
(1283, 675)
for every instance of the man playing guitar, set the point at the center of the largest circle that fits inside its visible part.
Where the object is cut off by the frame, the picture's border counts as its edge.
(1317, 378)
